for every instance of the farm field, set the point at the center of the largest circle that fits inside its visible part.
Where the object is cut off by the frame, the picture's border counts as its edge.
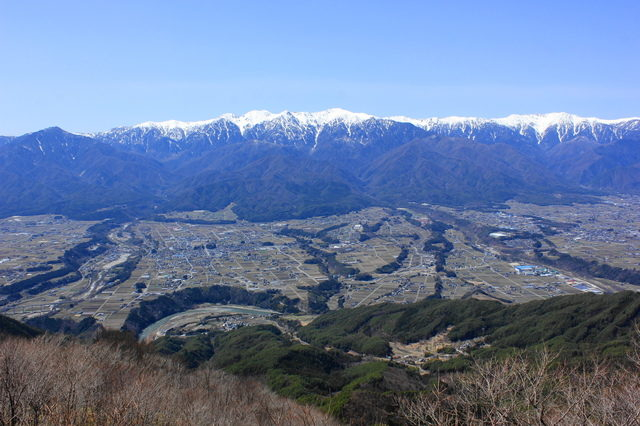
(376, 255)
(29, 245)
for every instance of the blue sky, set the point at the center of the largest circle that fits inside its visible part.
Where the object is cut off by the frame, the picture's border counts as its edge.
(92, 65)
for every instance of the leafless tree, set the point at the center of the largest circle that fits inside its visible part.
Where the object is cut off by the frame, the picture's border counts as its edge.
(52, 380)
(532, 389)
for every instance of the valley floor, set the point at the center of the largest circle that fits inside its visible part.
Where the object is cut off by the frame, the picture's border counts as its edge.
(376, 254)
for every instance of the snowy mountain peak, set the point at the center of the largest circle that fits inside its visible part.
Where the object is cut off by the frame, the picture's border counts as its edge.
(321, 118)
(250, 119)
(254, 118)
(172, 124)
(314, 129)
(539, 122)
(565, 124)
(332, 115)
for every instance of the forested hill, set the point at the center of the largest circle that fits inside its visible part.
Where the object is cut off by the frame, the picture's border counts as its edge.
(11, 327)
(311, 363)
(577, 323)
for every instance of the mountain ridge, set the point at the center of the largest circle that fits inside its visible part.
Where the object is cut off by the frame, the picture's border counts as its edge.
(540, 121)
(259, 122)
(296, 165)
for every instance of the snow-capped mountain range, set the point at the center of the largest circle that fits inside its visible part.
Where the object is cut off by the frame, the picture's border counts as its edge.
(317, 129)
(295, 164)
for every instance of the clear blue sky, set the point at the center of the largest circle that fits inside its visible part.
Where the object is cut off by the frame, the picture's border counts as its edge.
(92, 65)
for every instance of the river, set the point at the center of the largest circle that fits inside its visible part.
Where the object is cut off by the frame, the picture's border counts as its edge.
(152, 329)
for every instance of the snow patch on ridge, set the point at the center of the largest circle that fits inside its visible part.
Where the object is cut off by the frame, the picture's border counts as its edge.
(296, 123)
(253, 118)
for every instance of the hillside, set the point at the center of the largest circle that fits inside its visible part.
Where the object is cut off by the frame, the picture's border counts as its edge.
(273, 187)
(614, 166)
(50, 380)
(558, 340)
(339, 361)
(578, 324)
(451, 171)
(11, 327)
(56, 171)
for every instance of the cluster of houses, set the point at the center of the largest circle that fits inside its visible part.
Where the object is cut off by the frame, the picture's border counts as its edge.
(536, 270)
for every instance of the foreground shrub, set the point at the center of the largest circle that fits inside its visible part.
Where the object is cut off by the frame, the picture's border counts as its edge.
(531, 389)
(50, 380)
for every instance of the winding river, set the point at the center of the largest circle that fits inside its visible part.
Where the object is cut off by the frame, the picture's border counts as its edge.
(191, 314)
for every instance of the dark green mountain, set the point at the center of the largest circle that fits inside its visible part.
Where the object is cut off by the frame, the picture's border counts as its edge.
(578, 324)
(276, 186)
(53, 171)
(378, 162)
(11, 327)
(458, 172)
(614, 167)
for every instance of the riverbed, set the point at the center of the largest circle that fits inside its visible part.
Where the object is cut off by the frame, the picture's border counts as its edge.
(160, 327)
